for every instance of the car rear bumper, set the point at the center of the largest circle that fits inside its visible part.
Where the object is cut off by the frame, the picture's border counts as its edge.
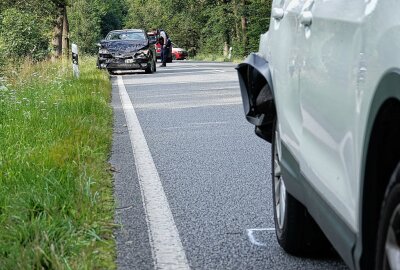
(182, 55)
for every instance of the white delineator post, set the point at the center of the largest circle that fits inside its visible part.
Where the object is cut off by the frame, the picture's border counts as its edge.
(75, 60)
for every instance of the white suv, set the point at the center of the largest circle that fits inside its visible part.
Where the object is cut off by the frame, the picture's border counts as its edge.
(324, 89)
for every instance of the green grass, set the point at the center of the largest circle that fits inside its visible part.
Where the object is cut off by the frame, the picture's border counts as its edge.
(56, 204)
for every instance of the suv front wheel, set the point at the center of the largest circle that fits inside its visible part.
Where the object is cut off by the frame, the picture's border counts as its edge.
(388, 244)
(296, 231)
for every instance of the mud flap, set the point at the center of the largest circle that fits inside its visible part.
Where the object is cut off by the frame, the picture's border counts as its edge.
(257, 94)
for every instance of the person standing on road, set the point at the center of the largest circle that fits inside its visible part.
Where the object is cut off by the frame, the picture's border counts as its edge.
(166, 45)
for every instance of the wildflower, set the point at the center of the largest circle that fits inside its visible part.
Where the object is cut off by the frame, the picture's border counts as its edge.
(27, 114)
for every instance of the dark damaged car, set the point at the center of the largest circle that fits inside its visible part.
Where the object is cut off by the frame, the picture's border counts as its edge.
(129, 49)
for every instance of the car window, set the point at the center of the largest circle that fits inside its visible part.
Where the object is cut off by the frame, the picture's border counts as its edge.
(126, 36)
(152, 39)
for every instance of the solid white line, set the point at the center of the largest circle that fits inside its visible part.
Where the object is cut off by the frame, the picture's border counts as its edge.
(167, 249)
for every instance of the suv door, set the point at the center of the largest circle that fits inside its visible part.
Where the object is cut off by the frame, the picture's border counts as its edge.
(284, 64)
(332, 50)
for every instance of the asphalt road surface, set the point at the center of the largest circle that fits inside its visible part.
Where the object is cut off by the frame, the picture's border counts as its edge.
(192, 180)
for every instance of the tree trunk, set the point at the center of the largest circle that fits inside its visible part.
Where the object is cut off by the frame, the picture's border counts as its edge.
(57, 34)
(244, 30)
(226, 35)
(244, 26)
(65, 34)
(226, 49)
(236, 16)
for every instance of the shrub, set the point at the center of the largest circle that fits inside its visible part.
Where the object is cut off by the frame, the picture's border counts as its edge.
(23, 37)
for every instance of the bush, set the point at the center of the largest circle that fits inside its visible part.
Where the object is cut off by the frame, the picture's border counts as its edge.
(22, 36)
(2, 60)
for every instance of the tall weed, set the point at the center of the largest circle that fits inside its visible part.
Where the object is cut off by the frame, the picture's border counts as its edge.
(56, 207)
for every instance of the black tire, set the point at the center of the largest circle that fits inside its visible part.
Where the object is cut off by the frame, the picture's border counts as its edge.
(296, 231)
(389, 219)
(152, 68)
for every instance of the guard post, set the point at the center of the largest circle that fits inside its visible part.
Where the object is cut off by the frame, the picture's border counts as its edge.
(75, 60)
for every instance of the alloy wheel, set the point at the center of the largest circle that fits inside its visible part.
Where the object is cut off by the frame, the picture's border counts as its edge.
(392, 244)
(279, 184)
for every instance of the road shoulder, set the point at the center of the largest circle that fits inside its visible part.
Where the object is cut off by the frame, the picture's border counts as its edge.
(133, 248)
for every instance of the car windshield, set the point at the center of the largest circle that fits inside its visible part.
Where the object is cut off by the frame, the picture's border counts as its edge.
(126, 36)
(152, 38)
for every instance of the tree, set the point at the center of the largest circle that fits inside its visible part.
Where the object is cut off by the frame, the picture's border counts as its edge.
(209, 26)
(113, 18)
(43, 15)
(212, 26)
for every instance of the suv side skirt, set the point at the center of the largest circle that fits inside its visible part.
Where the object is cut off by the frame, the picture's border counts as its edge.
(335, 229)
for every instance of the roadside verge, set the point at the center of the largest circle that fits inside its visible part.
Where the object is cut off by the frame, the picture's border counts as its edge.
(56, 203)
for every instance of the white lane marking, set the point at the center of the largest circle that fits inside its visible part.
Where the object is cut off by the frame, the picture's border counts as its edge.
(207, 123)
(252, 238)
(195, 72)
(221, 91)
(167, 249)
(183, 81)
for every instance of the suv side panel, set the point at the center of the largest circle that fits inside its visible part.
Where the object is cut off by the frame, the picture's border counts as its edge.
(285, 70)
(332, 47)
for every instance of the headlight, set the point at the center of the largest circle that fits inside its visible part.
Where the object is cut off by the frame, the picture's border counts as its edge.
(142, 54)
(103, 51)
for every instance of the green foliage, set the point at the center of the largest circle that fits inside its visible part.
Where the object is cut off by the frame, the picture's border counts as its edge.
(2, 60)
(85, 19)
(27, 26)
(217, 30)
(207, 25)
(56, 206)
(113, 18)
(258, 21)
(23, 35)
(91, 20)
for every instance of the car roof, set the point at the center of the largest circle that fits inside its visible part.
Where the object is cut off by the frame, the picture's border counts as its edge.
(127, 30)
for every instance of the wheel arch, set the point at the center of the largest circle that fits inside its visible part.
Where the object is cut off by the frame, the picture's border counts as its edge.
(257, 92)
(381, 131)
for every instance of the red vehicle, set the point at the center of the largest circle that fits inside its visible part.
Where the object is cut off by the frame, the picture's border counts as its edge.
(178, 53)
